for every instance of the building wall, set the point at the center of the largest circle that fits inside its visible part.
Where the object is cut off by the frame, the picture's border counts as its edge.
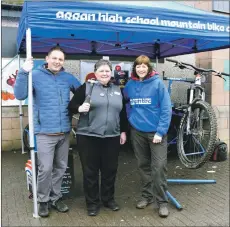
(220, 97)
(11, 134)
(217, 95)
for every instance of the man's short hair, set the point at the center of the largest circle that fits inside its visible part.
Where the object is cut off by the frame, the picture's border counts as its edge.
(56, 48)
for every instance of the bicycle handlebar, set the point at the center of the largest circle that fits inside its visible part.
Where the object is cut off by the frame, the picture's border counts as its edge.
(225, 74)
(189, 80)
(197, 69)
(171, 60)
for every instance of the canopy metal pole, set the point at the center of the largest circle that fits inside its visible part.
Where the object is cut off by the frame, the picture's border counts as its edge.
(20, 103)
(31, 124)
(9, 62)
(157, 52)
(21, 115)
(156, 63)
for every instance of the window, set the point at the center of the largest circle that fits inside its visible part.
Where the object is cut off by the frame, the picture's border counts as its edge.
(221, 6)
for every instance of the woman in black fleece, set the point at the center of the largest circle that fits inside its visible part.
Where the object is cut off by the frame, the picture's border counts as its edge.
(101, 129)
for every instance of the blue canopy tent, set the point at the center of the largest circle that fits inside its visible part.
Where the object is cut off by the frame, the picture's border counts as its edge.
(157, 29)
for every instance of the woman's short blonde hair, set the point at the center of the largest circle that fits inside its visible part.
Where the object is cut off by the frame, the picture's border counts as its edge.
(142, 59)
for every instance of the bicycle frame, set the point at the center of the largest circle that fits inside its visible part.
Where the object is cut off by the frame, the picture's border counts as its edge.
(195, 85)
(201, 96)
(171, 80)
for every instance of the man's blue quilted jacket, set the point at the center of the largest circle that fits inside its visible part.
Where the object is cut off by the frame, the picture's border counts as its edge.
(51, 95)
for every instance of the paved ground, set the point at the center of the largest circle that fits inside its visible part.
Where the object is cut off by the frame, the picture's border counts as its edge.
(203, 204)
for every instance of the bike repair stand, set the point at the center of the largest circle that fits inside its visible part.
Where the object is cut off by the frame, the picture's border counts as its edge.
(184, 181)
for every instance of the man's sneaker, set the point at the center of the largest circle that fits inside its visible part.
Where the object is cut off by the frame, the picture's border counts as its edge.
(59, 206)
(144, 203)
(163, 211)
(43, 209)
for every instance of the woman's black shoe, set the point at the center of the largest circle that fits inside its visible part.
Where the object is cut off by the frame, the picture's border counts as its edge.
(93, 210)
(112, 205)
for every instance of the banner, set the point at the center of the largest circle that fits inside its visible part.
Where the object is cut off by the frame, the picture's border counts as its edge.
(9, 75)
(121, 71)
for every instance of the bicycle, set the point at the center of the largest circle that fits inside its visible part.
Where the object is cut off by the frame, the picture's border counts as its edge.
(197, 132)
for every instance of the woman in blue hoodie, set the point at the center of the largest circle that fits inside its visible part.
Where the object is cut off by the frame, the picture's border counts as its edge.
(149, 116)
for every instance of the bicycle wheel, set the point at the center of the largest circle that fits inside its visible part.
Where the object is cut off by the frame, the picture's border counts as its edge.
(26, 139)
(196, 147)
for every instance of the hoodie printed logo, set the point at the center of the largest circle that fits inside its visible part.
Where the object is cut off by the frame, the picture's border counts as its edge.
(140, 101)
(117, 93)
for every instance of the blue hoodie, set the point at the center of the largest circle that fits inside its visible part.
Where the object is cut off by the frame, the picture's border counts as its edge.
(150, 105)
(51, 95)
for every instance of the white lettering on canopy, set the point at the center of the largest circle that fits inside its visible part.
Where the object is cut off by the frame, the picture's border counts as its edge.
(117, 18)
(76, 16)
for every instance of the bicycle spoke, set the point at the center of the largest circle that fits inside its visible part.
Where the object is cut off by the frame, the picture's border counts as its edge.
(195, 148)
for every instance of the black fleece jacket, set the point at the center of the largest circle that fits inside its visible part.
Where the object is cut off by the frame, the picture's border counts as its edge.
(78, 99)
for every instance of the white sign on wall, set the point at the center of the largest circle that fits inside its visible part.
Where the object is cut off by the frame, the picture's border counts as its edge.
(87, 67)
(9, 74)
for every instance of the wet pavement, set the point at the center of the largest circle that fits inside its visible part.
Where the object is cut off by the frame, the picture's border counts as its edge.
(203, 204)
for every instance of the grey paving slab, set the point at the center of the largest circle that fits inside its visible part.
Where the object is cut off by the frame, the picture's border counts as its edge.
(203, 204)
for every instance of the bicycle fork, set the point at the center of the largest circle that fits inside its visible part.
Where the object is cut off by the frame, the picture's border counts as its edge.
(200, 96)
(189, 111)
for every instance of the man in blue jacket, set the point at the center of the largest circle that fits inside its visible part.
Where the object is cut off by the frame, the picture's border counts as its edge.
(51, 94)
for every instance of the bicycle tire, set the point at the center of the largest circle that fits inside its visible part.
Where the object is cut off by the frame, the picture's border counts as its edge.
(208, 116)
(26, 138)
